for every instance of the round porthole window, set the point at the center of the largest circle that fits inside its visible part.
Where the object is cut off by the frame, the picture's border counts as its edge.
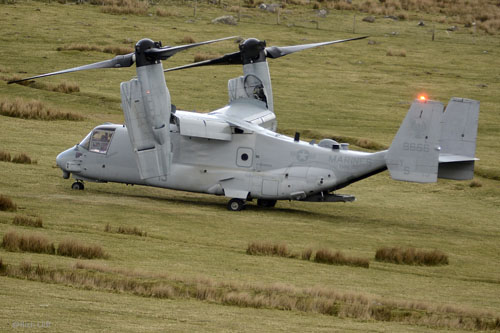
(244, 157)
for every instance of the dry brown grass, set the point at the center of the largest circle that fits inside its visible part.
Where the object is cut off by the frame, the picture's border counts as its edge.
(14, 77)
(131, 231)
(204, 56)
(75, 249)
(126, 230)
(491, 26)
(28, 221)
(276, 296)
(6, 204)
(325, 256)
(63, 87)
(396, 53)
(306, 254)
(369, 144)
(485, 12)
(116, 50)
(33, 109)
(298, 2)
(23, 158)
(268, 249)
(27, 243)
(340, 5)
(188, 40)
(5, 156)
(121, 7)
(411, 256)
(475, 183)
(3, 267)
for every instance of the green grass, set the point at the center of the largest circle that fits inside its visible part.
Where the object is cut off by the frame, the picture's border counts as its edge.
(350, 90)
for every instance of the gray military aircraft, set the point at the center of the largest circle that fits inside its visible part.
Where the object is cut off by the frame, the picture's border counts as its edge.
(235, 151)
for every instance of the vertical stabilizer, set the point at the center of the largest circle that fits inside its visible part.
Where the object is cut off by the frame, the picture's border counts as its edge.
(414, 152)
(459, 127)
(458, 139)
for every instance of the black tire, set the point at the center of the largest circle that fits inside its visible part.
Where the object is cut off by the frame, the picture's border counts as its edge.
(266, 203)
(235, 205)
(77, 186)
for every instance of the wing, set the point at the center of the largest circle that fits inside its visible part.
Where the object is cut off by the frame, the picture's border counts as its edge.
(249, 111)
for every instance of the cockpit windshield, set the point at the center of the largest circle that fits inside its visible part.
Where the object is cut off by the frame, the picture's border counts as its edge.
(101, 137)
(85, 142)
(98, 140)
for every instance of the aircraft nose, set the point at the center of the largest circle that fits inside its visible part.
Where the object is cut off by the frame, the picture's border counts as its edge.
(62, 159)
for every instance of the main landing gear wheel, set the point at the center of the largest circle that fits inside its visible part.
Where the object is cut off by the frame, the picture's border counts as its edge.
(235, 205)
(77, 186)
(266, 203)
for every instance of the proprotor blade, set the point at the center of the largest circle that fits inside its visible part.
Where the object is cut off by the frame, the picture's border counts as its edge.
(168, 51)
(227, 59)
(120, 61)
(250, 54)
(280, 51)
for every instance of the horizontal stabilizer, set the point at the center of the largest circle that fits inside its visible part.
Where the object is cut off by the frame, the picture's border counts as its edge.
(414, 152)
(449, 158)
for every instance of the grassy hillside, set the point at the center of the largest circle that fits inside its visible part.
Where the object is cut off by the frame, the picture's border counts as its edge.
(188, 270)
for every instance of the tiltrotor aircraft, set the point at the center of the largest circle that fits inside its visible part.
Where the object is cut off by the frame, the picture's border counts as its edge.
(235, 151)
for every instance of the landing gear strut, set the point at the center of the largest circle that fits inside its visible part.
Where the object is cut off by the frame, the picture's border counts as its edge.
(235, 205)
(77, 186)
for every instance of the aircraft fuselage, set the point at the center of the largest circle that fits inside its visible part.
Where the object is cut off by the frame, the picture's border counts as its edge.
(253, 164)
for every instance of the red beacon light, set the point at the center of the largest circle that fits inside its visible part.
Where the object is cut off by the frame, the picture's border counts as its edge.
(422, 98)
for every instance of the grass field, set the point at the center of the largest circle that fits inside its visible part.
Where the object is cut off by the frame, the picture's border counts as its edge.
(185, 266)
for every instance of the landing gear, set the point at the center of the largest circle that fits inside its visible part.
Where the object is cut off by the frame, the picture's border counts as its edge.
(77, 186)
(235, 205)
(266, 203)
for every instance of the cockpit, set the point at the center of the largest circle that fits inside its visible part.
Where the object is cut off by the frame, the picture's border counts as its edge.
(98, 140)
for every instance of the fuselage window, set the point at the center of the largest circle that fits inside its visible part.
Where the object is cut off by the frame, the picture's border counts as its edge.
(100, 140)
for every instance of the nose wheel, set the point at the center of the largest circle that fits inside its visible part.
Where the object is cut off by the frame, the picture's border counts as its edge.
(235, 205)
(77, 186)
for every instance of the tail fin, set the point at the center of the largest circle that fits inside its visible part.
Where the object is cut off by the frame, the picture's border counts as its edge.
(458, 139)
(432, 144)
(414, 152)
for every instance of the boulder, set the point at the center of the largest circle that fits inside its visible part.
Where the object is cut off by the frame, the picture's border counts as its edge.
(369, 19)
(226, 19)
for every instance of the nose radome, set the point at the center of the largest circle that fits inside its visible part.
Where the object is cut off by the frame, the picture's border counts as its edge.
(62, 159)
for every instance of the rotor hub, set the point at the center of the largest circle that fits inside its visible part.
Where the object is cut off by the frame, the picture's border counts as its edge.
(143, 59)
(253, 50)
